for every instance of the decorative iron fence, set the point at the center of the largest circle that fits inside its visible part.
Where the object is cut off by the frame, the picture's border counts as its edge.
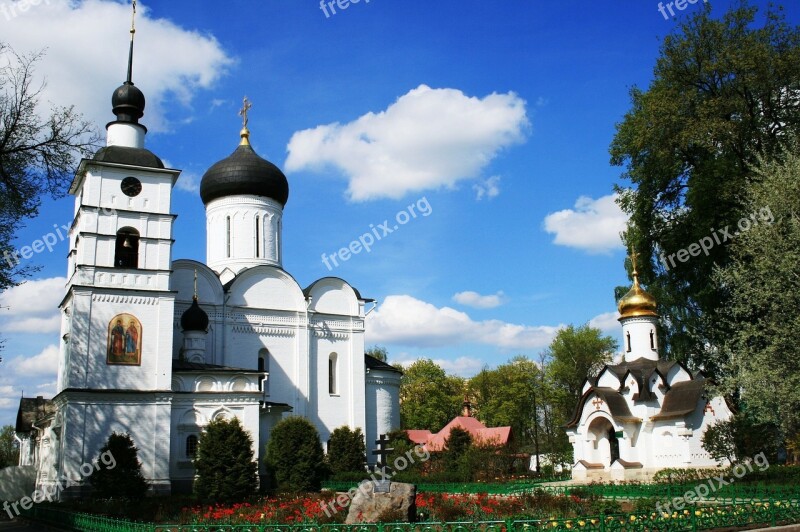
(692, 518)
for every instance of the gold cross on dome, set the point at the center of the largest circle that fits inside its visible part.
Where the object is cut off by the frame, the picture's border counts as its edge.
(246, 106)
(634, 257)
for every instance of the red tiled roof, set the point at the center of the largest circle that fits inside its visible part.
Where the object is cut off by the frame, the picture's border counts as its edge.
(480, 434)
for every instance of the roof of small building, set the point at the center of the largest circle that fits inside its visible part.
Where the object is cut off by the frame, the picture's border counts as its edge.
(380, 365)
(129, 156)
(641, 370)
(31, 409)
(617, 405)
(480, 433)
(682, 399)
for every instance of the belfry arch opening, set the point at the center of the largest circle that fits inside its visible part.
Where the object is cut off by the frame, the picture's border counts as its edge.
(126, 251)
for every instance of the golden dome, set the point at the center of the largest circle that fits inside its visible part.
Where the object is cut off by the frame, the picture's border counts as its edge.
(637, 302)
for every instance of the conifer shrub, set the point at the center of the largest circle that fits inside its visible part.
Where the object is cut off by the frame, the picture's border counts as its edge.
(294, 458)
(347, 451)
(118, 471)
(225, 467)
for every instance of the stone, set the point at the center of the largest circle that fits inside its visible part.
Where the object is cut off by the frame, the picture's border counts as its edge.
(368, 506)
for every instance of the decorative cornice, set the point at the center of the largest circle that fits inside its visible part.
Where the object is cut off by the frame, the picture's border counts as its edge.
(125, 299)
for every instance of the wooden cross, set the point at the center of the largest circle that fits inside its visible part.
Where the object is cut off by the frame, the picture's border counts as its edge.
(597, 403)
(382, 452)
(246, 106)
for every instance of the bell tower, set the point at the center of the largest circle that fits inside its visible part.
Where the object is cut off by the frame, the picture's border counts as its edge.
(639, 319)
(115, 364)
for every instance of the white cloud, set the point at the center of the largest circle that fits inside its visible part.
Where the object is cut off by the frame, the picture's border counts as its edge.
(405, 320)
(33, 306)
(9, 397)
(462, 366)
(188, 182)
(489, 188)
(43, 364)
(593, 225)
(87, 53)
(606, 322)
(429, 138)
(475, 300)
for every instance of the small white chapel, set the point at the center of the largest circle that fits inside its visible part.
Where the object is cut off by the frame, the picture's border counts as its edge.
(158, 348)
(645, 413)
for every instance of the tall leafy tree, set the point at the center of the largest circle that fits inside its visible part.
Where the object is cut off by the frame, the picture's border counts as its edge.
(39, 149)
(507, 395)
(725, 92)
(347, 451)
(575, 354)
(429, 397)
(379, 352)
(225, 465)
(9, 452)
(760, 324)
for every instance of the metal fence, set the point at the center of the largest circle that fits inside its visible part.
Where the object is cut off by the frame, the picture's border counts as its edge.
(692, 518)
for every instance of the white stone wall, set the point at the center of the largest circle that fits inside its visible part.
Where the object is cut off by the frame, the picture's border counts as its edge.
(382, 406)
(638, 331)
(254, 237)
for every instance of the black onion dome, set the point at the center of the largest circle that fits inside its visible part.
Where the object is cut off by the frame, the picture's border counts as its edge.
(195, 318)
(244, 172)
(128, 155)
(128, 103)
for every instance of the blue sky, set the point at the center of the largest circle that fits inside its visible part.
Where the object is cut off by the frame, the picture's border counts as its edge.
(494, 116)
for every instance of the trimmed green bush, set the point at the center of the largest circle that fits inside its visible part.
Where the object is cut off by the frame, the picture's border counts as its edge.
(118, 473)
(226, 470)
(347, 452)
(294, 458)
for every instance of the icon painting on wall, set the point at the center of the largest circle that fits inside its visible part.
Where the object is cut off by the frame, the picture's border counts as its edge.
(124, 341)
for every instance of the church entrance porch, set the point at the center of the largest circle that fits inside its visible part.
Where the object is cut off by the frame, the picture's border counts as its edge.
(604, 448)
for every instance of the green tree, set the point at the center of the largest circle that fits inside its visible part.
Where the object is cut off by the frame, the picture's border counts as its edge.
(38, 154)
(347, 452)
(724, 93)
(575, 354)
(507, 395)
(379, 352)
(224, 464)
(759, 324)
(119, 471)
(294, 458)
(429, 398)
(9, 452)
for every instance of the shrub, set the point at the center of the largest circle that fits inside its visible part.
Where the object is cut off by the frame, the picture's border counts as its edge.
(347, 452)
(225, 467)
(294, 457)
(118, 473)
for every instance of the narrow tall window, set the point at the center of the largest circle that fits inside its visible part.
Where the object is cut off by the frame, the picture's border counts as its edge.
(628, 337)
(258, 237)
(652, 340)
(332, 384)
(228, 237)
(126, 251)
(263, 367)
(191, 446)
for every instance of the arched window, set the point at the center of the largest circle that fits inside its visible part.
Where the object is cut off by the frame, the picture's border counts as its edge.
(258, 237)
(263, 366)
(126, 252)
(228, 237)
(191, 446)
(333, 385)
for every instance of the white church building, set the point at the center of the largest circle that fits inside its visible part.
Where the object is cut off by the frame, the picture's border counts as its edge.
(158, 348)
(645, 413)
